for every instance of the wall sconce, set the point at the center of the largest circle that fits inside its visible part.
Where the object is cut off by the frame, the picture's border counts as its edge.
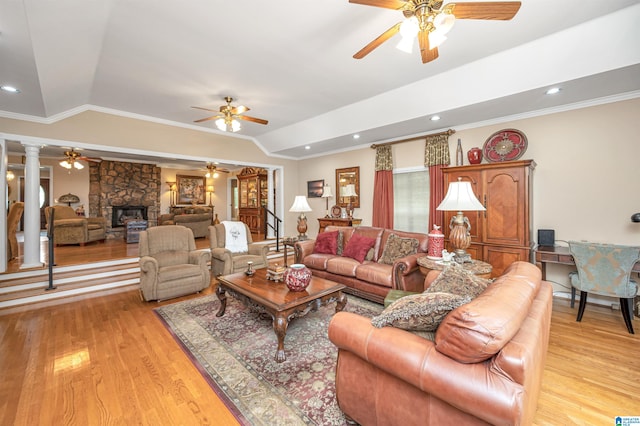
(10, 175)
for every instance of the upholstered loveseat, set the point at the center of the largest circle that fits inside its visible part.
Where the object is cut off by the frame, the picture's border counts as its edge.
(69, 228)
(484, 365)
(383, 267)
(197, 219)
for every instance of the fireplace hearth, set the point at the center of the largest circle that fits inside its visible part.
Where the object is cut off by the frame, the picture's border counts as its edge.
(120, 214)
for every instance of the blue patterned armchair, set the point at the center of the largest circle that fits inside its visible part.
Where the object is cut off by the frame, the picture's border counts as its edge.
(604, 269)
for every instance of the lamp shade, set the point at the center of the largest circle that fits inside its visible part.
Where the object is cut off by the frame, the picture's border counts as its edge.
(349, 191)
(300, 205)
(460, 197)
(326, 191)
(69, 199)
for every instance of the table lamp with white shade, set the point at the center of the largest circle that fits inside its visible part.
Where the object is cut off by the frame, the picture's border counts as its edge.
(300, 205)
(349, 191)
(326, 194)
(459, 198)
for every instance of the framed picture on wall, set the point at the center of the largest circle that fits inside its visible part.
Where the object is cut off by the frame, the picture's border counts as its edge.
(314, 188)
(191, 189)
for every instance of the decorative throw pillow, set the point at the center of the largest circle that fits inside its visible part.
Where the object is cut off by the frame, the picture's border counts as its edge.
(340, 243)
(326, 242)
(457, 280)
(419, 312)
(357, 247)
(397, 247)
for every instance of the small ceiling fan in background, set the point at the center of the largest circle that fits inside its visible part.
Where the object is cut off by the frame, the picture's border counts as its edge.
(71, 160)
(212, 171)
(226, 120)
(429, 20)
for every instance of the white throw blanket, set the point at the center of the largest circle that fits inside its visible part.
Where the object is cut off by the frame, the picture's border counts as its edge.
(235, 237)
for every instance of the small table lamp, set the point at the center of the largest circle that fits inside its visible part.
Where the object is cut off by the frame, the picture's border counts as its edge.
(350, 191)
(459, 198)
(326, 194)
(211, 190)
(301, 206)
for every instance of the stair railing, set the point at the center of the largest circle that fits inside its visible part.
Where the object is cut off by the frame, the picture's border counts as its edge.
(275, 226)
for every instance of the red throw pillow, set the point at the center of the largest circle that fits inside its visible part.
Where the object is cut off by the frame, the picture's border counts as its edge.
(326, 243)
(358, 246)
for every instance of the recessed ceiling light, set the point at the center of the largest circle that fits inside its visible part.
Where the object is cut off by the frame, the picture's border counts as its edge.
(435, 118)
(307, 147)
(10, 89)
(553, 91)
(356, 136)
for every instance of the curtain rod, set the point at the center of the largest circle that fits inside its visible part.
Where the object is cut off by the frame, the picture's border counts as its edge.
(447, 132)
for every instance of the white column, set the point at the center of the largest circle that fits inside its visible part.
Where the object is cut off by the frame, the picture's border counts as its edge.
(3, 202)
(31, 207)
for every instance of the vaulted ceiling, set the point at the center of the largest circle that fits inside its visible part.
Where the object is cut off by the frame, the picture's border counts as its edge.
(291, 62)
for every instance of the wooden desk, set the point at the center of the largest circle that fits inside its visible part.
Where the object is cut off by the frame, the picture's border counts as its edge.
(335, 221)
(560, 256)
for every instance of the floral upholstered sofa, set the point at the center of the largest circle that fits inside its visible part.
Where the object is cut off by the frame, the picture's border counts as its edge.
(370, 261)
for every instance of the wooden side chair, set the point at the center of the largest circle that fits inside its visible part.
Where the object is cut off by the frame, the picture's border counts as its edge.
(13, 218)
(604, 269)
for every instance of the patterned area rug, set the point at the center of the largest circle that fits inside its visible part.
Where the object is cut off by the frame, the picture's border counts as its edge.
(235, 353)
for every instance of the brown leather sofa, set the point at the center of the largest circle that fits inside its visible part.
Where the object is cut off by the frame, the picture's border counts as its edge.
(371, 279)
(484, 367)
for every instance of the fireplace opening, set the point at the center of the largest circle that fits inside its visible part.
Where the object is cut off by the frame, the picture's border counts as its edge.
(120, 214)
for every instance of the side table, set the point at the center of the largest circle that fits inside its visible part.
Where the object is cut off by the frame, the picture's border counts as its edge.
(479, 268)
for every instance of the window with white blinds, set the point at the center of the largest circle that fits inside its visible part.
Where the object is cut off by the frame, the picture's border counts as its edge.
(411, 200)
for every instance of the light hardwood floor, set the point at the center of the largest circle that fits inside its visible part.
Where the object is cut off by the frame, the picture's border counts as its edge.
(109, 360)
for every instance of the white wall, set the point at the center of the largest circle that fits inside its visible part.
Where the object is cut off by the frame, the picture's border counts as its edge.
(585, 182)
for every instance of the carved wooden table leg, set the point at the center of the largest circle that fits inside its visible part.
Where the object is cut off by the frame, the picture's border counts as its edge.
(280, 324)
(222, 296)
(341, 302)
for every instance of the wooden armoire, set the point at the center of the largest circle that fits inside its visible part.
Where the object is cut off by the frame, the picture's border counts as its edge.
(500, 235)
(253, 191)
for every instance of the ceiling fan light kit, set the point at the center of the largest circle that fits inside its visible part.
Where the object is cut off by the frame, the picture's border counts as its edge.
(430, 21)
(71, 161)
(227, 119)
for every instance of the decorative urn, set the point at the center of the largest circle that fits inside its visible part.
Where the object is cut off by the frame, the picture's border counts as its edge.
(435, 243)
(475, 155)
(297, 277)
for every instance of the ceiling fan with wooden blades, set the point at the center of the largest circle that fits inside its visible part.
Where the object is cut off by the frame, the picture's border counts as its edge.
(71, 160)
(212, 171)
(430, 20)
(227, 119)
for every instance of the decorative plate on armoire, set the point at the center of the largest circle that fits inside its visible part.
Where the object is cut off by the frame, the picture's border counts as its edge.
(505, 145)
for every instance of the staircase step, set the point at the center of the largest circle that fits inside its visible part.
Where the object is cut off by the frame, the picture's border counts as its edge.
(30, 287)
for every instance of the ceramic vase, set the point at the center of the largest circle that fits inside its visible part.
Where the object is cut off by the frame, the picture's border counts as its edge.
(297, 277)
(436, 243)
(474, 155)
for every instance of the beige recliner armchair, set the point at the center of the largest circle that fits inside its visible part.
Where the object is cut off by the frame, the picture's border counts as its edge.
(224, 262)
(69, 228)
(170, 265)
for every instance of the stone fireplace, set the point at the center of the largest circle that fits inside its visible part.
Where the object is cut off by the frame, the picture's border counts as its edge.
(120, 191)
(120, 214)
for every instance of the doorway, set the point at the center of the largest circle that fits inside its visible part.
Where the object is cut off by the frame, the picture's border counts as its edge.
(43, 199)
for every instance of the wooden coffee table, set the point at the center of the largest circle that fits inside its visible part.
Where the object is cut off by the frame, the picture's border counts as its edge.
(275, 299)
